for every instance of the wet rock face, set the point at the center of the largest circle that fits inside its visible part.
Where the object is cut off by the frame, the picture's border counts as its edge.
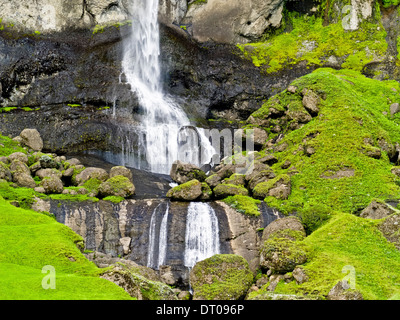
(124, 229)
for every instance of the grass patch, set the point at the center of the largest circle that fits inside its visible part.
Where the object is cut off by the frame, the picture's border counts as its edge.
(30, 241)
(244, 204)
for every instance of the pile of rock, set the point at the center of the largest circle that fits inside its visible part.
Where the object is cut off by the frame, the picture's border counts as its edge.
(259, 181)
(52, 174)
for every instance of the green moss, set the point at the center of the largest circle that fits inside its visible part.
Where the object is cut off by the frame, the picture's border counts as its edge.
(352, 109)
(9, 146)
(226, 190)
(262, 189)
(347, 240)
(311, 41)
(30, 241)
(244, 204)
(229, 278)
(114, 199)
(92, 185)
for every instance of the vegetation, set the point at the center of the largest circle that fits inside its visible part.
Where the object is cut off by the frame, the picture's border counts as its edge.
(31, 241)
(244, 204)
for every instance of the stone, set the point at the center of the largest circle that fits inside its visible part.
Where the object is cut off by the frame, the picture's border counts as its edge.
(47, 162)
(24, 180)
(342, 291)
(236, 179)
(394, 108)
(91, 173)
(183, 172)
(234, 21)
(167, 276)
(390, 229)
(17, 166)
(282, 255)
(292, 89)
(279, 187)
(300, 275)
(260, 137)
(52, 185)
(206, 192)
(286, 223)
(118, 186)
(71, 162)
(225, 190)
(32, 139)
(18, 156)
(311, 101)
(228, 274)
(213, 180)
(5, 172)
(126, 241)
(188, 191)
(43, 173)
(377, 210)
(136, 285)
(121, 171)
(274, 280)
(281, 192)
(261, 176)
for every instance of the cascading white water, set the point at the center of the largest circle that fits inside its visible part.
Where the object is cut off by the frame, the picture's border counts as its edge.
(202, 233)
(157, 249)
(162, 118)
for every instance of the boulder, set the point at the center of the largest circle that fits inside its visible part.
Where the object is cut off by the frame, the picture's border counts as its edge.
(281, 254)
(137, 285)
(286, 223)
(279, 187)
(17, 166)
(183, 172)
(228, 275)
(206, 192)
(118, 186)
(300, 275)
(213, 180)
(43, 173)
(394, 108)
(91, 173)
(311, 101)
(188, 191)
(32, 139)
(52, 185)
(342, 291)
(377, 210)
(236, 179)
(24, 180)
(121, 171)
(5, 173)
(225, 190)
(47, 162)
(235, 21)
(18, 156)
(390, 229)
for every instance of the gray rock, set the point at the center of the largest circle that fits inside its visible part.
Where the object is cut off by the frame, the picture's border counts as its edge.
(52, 185)
(377, 210)
(24, 180)
(118, 186)
(32, 139)
(121, 171)
(43, 173)
(342, 291)
(311, 101)
(91, 173)
(183, 172)
(300, 275)
(394, 108)
(291, 223)
(18, 156)
(188, 191)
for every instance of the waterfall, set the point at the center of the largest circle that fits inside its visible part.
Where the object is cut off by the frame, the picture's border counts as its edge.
(162, 118)
(157, 248)
(202, 233)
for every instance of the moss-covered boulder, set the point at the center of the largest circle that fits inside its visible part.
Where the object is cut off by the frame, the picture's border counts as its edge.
(121, 171)
(206, 192)
(184, 172)
(188, 191)
(281, 254)
(137, 285)
(118, 186)
(91, 173)
(221, 277)
(52, 184)
(279, 187)
(225, 190)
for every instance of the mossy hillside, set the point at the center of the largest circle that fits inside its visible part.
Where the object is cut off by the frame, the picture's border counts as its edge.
(312, 41)
(31, 241)
(354, 109)
(348, 240)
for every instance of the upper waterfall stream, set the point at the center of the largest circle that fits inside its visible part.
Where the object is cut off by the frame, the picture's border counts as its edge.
(162, 118)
